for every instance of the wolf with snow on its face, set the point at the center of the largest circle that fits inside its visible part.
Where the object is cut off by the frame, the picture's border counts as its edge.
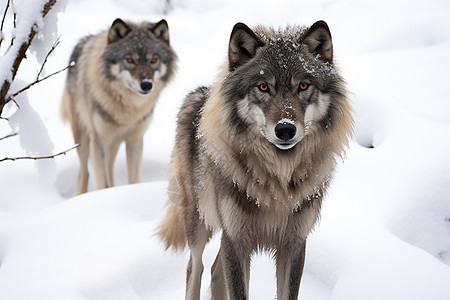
(254, 156)
(111, 92)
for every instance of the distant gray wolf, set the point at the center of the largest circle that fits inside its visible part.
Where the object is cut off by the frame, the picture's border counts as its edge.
(254, 155)
(111, 92)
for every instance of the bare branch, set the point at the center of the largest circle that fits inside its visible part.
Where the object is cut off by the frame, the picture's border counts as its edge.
(35, 82)
(55, 44)
(15, 16)
(39, 157)
(15, 102)
(3, 21)
(17, 105)
(4, 14)
(14, 23)
(8, 136)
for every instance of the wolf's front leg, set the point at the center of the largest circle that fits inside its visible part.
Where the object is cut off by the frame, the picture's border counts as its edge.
(134, 151)
(218, 289)
(113, 149)
(236, 267)
(100, 160)
(290, 262)
(82, 139)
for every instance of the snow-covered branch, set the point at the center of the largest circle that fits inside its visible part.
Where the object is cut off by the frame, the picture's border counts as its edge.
(17, 51)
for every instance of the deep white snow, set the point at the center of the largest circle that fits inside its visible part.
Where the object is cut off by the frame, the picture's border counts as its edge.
(385, 226)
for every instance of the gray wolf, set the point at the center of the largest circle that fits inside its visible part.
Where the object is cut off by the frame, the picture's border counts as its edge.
(254, 156)
(110, 94)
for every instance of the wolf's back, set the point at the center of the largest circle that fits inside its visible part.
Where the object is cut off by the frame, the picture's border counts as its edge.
(71, 80)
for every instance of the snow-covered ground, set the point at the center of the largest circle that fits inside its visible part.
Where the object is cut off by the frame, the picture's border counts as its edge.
(385, 227)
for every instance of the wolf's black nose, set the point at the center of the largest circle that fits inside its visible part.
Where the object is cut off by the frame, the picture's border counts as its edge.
(285, 131)
(146, 85)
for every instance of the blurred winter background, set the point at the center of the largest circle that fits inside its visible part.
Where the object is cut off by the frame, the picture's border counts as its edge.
(385, 228)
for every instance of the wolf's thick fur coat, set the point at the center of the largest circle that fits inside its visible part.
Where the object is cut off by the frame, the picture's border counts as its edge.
(110, 94)
(230, 171)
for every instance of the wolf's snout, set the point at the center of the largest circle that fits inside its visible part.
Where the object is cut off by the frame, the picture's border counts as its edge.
(285, 131)
(146, 85)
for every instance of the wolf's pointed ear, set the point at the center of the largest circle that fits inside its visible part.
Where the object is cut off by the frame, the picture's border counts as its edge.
(161, 30)
(318, 40)
(119, 30)
(243, 45)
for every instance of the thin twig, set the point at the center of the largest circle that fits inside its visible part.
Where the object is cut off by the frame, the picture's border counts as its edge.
(4, 15)
(55, 44)
(17, 105)
(39, 157)
(15, 14)
(8, 136)
(15, 102)
(3, 22)
(14, 22)
(35, 82)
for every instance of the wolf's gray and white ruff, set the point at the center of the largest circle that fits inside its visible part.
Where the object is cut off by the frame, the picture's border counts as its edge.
(254, 156)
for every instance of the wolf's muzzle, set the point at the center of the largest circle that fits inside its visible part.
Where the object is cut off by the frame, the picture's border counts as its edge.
(285, 131)
(146, 85)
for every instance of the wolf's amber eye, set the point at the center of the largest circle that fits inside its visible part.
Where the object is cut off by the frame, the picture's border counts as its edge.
(303, 86)
(130, 60)
(263, 87)
(154, 60)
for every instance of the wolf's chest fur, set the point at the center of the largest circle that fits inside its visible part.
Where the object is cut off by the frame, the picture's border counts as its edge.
(117, 110)
(266, 193)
